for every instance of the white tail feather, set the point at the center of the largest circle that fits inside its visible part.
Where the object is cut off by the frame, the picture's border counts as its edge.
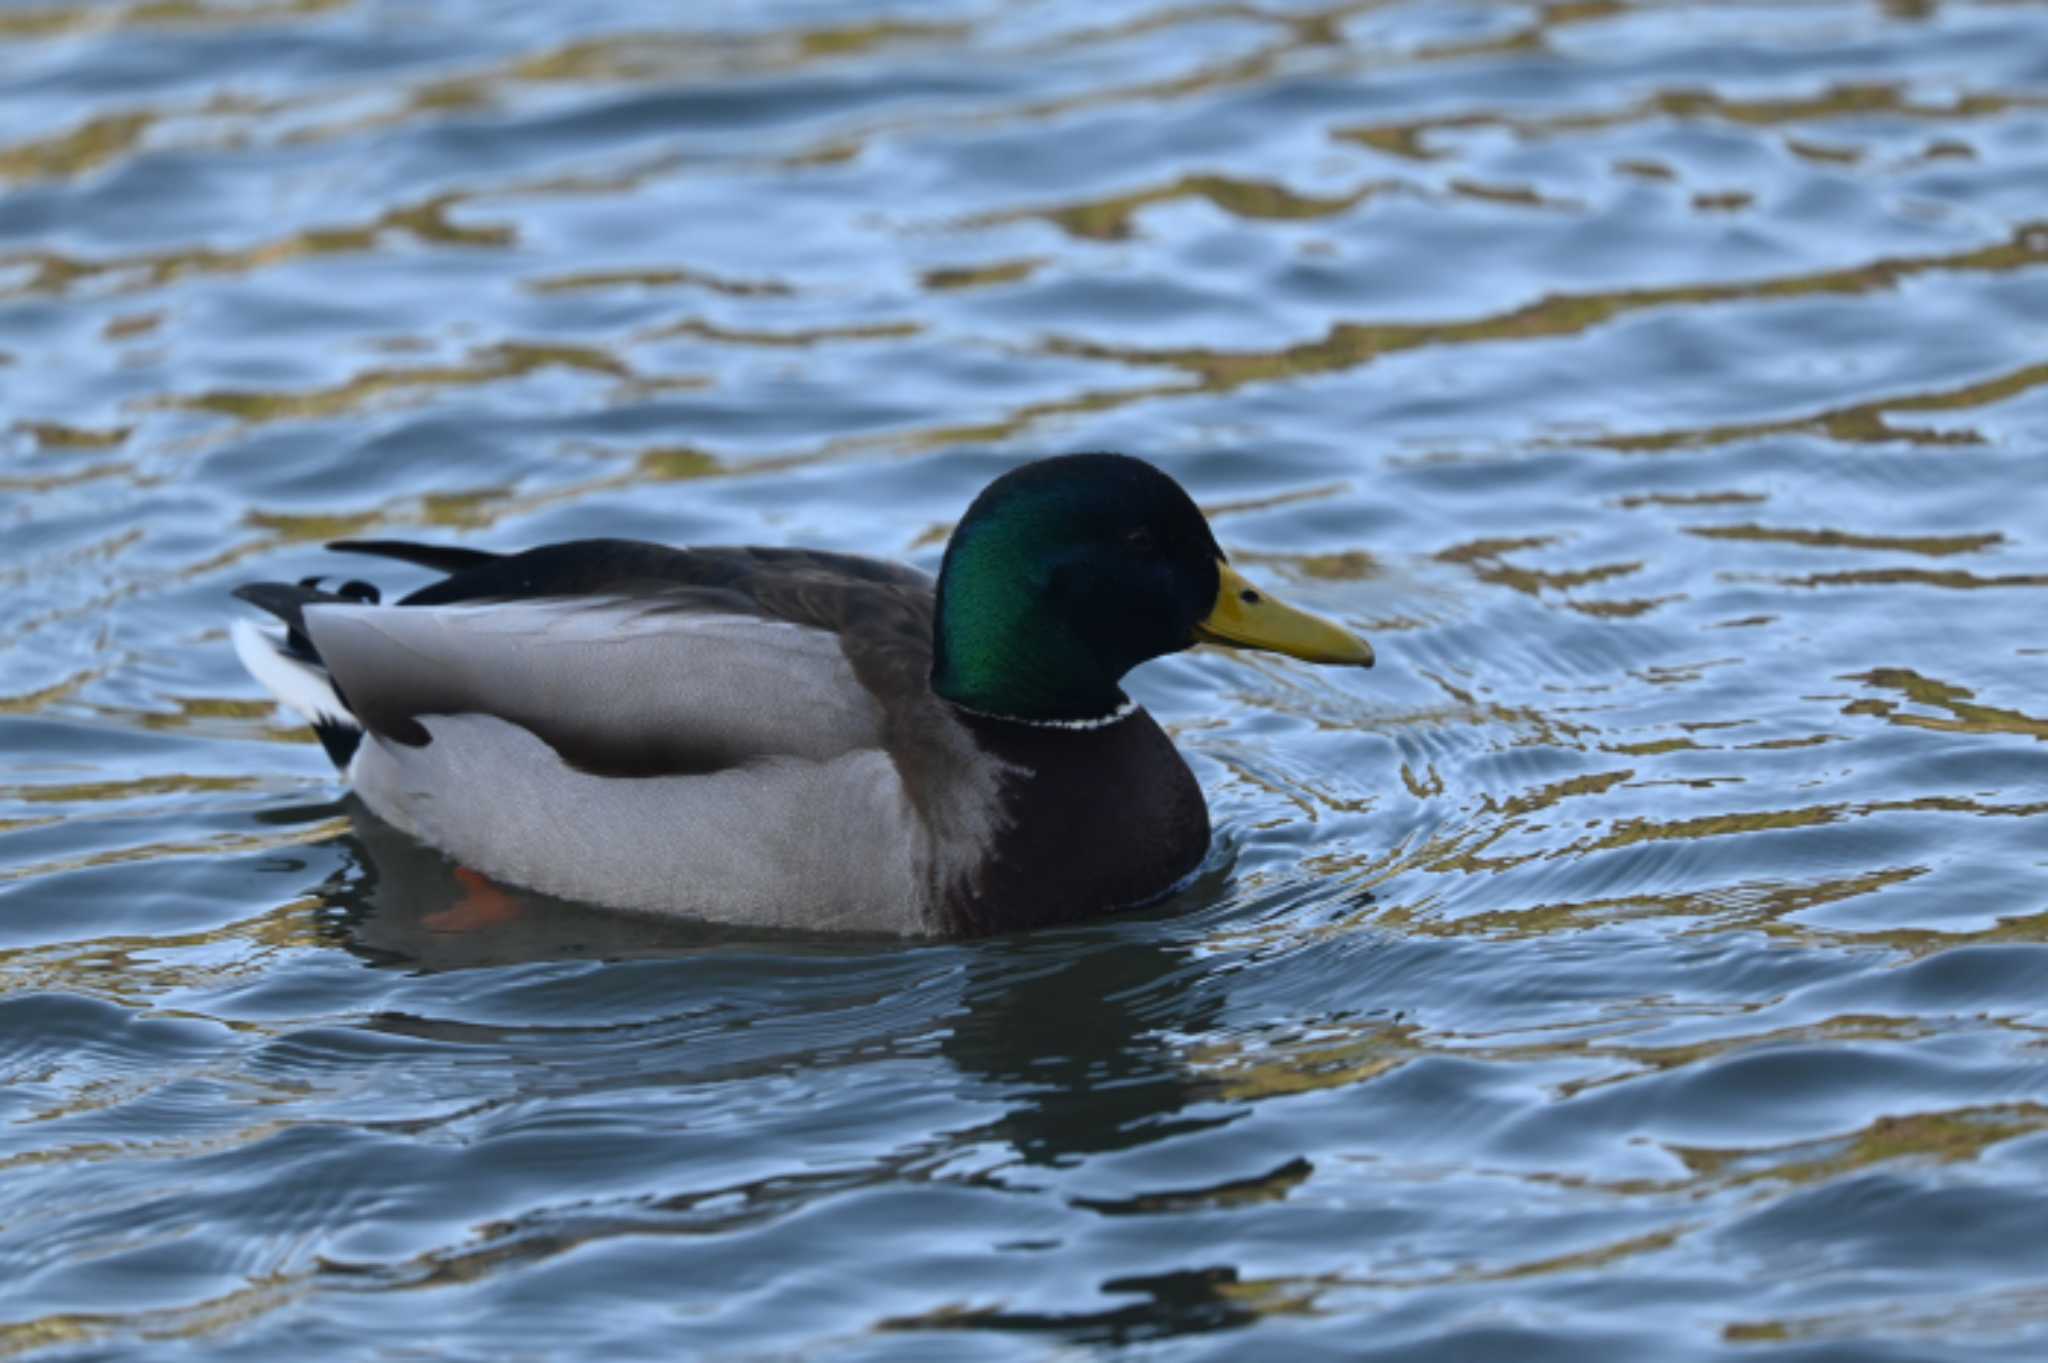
(302, 689)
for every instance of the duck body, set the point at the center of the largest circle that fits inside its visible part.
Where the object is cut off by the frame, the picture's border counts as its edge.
(783, 737)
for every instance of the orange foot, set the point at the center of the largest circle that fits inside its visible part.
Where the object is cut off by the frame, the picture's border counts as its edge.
(483, 905)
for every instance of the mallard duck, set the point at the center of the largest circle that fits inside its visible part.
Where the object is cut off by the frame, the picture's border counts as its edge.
(794, 738)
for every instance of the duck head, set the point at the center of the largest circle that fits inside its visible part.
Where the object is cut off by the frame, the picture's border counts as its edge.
(1066, 573)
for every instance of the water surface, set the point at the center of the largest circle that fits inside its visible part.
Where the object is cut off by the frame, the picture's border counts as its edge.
(1644, 961)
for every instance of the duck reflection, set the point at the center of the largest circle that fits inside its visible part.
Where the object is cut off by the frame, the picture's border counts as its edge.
(1081, 1033)
(1077, 1032)
(1073, 1040)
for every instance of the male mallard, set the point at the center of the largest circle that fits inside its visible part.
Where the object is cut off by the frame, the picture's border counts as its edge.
(789, 737)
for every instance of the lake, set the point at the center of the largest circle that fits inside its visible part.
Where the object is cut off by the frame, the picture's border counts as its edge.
(1645, 961)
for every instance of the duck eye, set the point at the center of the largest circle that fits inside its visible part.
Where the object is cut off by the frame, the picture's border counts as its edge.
(1142, 539)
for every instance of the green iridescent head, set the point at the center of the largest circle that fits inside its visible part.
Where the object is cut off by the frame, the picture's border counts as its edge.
(1066, 573)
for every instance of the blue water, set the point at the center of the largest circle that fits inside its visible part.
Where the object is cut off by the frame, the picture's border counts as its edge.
(1645, 961)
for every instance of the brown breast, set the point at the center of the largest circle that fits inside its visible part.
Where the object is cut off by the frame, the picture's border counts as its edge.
(1097, 819)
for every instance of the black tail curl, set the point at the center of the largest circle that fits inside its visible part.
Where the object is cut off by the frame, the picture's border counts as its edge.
(288, 601)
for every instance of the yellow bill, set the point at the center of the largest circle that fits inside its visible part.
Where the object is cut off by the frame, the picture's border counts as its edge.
(1245, 617)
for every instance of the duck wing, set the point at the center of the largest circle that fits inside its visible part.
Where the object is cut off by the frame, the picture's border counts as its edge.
(631, 659)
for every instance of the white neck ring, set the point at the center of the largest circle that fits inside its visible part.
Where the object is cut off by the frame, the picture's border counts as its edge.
(1116, 716)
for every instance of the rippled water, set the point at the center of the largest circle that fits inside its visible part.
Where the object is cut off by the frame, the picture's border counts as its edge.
(1644, 962)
